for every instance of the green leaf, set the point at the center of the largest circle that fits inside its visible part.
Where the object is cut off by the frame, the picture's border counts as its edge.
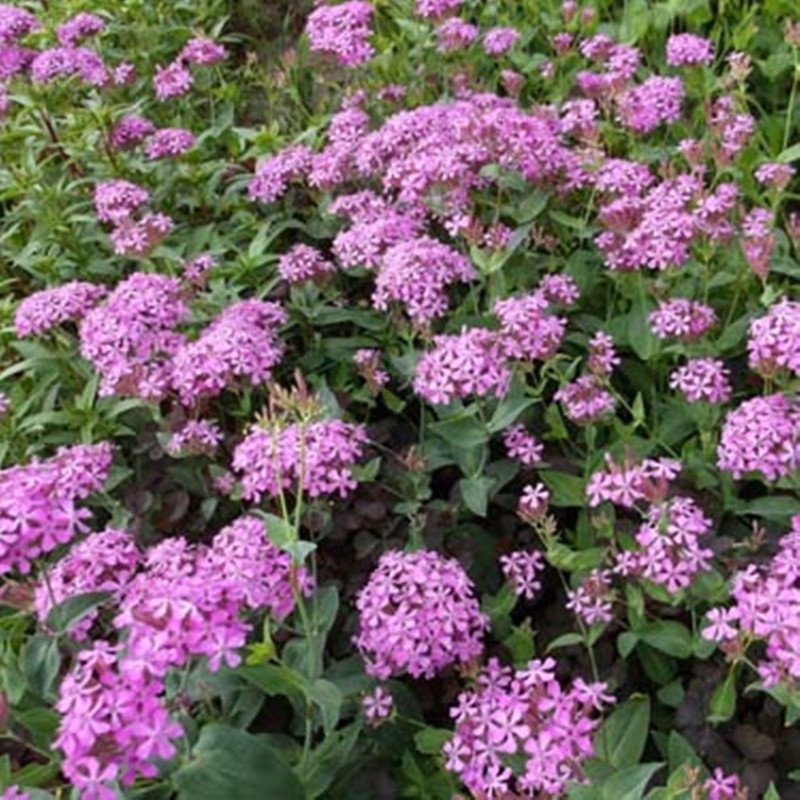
(567, 491)
(63, 616)
(723, 701)
(273, 680)
(475, 492)
(622, 739)
(430, 741)
(520, 643)
(562, 557)
(328, 759)
(668, 636)
(228, 763)
(680, 753)
(328, 698)
(630, 783)
(779, 508)
(41, 661)
(626, 643)
(790, 154)
(772, 792)
(565, 640)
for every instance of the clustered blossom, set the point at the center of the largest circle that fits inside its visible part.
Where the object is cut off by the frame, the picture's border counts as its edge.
(498, 41)
(761, 435)
(342, 31)
(15, 22)
(703, 379)
(585, 401)
(195, 437)
(774, 342)
(758, 240)
(315, 457)
(732, 128)
(61, 62)
(416, 274)
(522, 445)
(670, 551)
(602, 355)
(274, 174)
(116, 201)
(766, 607)
(628, 483)
(203, 51)
(174, 80)
(102, 562)
(460, 365)
(303, 263)
(527, 330)
(131, 338)
(138, 237)
(242, 342)
(592, 600)
(81, 26)
(39, 502)
(522, 569)
(418, 614)
(775, 175)
(41, 311)
(455, 34)
(435, 9)
(519, 733)
(687, 49)
(169, 143)
(656, 101)
(184, 602)
(130, 131)
(196, 269)
(682, 319)
(533, 501)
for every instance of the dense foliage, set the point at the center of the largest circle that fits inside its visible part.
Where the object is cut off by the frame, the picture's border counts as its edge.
(399, 399)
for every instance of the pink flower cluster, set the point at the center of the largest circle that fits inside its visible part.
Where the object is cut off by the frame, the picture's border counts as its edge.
(435, 9)
(459, 365)
(592, 600)
(670, 552)
(102, 562)
(533, 501)
(585, 401)
(682, 319)
(527, 330)
(60, 62)
(526, 719)
(315, 457)
(131, 338)
(416, 273)
(242, 342)
(129, 131)
(687, 49)
(703, 379)
(775, 175)
(274, 174)
(761, 435)
(41, 311)
(342, 31)
(766, 607)
(455, 34)
(176, 78)
(197, 436)
(498, 41)
(628, 483)
(522, 445)
(418, 614)
(16, 22)
(185, 602)
(522, 569)
(169, 143)
(81, 26)
(758, 240)
(368, 362)
(303, 263)
(774, 341)
(39, 502)
(117, 202)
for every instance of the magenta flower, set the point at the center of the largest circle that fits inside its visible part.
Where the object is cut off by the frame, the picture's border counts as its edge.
(417, 614)
(303, 263)
(522, 445)
(703, 379)
(115, 201)
(656, 101)
(377, 705)
(342, 31)
(455, 34)
(174, 80)
(498, 41)
(81, 26)
(202, 52)
(435, 9)
(16, 22)
(201, 436)
(169, 143)
(522, 569)
(686, 49)
(774, 342)
(683, 319)
(130, 131)
(41, 311)
(585, 401)
(533, 501)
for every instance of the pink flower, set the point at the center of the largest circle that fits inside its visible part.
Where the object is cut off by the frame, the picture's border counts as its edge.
(378, 705)
(130, 131)
(522, 445)
(461, 365)
(455, 34)
(774, 342)
(522, 569)
(16, 22)
(316, 457)
(303, 263)
(115, 201)
(658, 100)
(57, 62)
(532, 504)
(683, 319)
(174, 80)
(498, 41)
(602, 355)
(202, 51)
(41, 311)
(585, 401)
(79, 27)
(703, 379)
(435, 9)
(200, 436)
(686, 49)
(169, 143)
(274, 175)
(417, 614)
(342, 31)
(775, 175)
